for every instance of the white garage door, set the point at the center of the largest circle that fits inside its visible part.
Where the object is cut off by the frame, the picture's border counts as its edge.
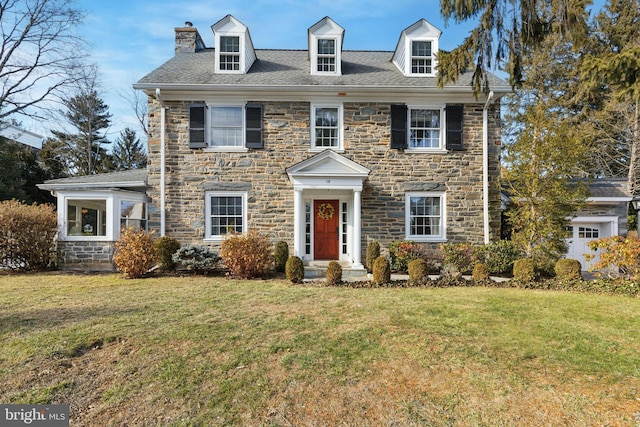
(578, 245)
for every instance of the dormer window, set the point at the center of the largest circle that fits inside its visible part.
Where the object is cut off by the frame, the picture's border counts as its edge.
(421, 57)
(326, 60)
(325, 48)
(229, 53)
(234, 49)
(417, 49)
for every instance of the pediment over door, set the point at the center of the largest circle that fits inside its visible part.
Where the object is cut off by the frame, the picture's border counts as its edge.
(328, 170)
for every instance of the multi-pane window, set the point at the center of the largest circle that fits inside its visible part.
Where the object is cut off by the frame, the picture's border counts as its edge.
(225, 214)
(425, 216)
(588, 233)
(326, 59)
(133, 214)
(86, 217)
(424, 128)
(326, 129)
(226, 127)
(421, 57)
(230, 53)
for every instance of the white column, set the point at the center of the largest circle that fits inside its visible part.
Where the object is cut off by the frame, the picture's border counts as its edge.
(357, 230)
(298, 224)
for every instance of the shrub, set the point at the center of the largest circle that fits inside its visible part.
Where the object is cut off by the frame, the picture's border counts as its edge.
(27, 235)
(480, 273)
(373, 252)
(294, 269)
(247, 255)
(334, 273)
(135, 252)
(524, 270)
(568, 269)
(196, 258)
(458, 255)
(381, 271)
(280, 256)
(619, 255)
(418, 272)
(403, 252)
(499, 256)
(165, 248)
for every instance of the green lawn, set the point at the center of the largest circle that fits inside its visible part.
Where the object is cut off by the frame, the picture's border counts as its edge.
(215, 351)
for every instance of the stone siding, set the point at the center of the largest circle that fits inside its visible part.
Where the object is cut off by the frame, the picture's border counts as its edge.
(286, 134)
(86, 256)
(614, 210)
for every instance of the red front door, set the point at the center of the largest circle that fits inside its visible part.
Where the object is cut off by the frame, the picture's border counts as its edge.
(325, 235)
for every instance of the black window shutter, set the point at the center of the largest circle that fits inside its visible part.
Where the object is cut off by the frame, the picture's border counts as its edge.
(454, 127)
(197, 138)
(253, 119)
(399, 126)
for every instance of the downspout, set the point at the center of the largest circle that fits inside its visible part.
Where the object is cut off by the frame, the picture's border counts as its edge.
(162, 163)
(485, 167)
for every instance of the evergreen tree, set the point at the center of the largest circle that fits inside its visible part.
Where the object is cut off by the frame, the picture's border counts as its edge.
(128, 152)
(545, 152)
(20, 174)
(89, 115)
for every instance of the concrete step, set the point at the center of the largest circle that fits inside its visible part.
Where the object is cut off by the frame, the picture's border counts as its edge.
(318, 270)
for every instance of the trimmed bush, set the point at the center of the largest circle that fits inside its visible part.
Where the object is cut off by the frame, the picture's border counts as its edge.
(480, 273)
(334, 273)
(381, 271)
(418, 272)
(27, 235)
(294, 269)
(373, 252)
(165, 248)
(280, 256)
(402, 253)
(196, 258)
(524, 270)
(135, 253)
(499, 256)
(247, 255)
(460, 256)
(568, 269)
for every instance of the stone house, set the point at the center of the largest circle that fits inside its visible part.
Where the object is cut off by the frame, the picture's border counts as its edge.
(325, 148)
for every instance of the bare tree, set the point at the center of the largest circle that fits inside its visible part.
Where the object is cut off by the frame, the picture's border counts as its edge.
(41, 56)
(138, 102)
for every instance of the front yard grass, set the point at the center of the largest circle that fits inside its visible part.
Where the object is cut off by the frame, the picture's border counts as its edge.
(216, 351)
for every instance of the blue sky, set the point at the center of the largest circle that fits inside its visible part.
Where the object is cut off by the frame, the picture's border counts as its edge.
(128, 39)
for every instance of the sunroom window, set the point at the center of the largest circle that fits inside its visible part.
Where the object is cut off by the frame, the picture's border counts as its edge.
(133, 214)
(86, 217)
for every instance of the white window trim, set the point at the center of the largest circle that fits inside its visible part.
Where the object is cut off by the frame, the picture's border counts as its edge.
(409, 53)
(225, 148)
(442, 237)
(241, 53)
(207, 209)
(340, 147)
(443, 131)
(336, 56)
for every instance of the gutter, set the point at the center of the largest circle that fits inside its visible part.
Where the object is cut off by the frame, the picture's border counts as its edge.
(485, 167)
(162, 162)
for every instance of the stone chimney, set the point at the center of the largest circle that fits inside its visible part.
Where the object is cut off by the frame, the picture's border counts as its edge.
(188, 39)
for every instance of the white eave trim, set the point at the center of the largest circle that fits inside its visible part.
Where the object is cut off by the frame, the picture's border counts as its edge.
(609, 199)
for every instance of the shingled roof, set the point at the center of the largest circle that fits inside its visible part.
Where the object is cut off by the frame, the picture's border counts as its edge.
(131, 179)
(290, 68)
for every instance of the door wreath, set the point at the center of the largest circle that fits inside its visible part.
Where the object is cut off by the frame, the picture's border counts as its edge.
(326, 211)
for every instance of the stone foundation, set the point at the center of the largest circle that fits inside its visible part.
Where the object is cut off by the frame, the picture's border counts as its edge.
(86, 256)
